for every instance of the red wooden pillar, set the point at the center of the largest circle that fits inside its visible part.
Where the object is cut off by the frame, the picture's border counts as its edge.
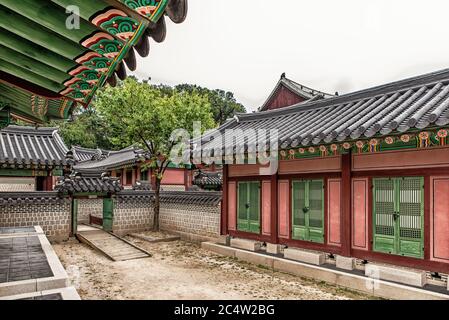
(49, 181)
(274, 208)
(224, 202)
(346, 195)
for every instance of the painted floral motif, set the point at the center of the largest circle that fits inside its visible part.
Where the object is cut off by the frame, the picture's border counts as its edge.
(346, 146)
(389, 140)
(359, 144)
(405, 138)
(334, 147)
(424, 135)
(442, 133)
(301, 150)
(312, 150)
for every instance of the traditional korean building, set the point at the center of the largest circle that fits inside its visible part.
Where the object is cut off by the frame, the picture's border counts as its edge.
(55, 54)
(130, 167)
(31, 159)
(288, 92)
(362, 175)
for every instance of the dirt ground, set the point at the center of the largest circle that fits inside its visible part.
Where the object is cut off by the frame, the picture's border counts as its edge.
(182, 270)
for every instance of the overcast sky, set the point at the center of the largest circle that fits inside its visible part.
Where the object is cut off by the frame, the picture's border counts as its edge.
(346, 45)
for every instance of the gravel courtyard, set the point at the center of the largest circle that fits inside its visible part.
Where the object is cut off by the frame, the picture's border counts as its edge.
(181, 270)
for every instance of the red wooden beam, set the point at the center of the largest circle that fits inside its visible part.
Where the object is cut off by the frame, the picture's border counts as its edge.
(224, 202)
(346, 191)
(274, 208)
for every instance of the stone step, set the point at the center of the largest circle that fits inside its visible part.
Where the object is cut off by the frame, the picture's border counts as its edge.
(307, 256)
(345, 263)
(407, 276)
(245, 244)
(273, 248)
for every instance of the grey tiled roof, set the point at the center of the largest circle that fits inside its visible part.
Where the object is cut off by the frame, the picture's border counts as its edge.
(208, 179)
(297, 88)
(27, 147)
(85, 154)
(412, 104)
(88, 184)
(113, 160)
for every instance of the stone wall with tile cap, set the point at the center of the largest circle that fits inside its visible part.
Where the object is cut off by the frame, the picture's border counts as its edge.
(194, 213)
(45, 209)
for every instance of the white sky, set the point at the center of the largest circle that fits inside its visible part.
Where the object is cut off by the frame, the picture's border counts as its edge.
(243, 46)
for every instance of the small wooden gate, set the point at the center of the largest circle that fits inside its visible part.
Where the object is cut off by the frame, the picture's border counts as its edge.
(108, 213)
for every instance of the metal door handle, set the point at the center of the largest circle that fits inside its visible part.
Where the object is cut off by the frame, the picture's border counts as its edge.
(396, 215)
(247, 206)
(305, 209)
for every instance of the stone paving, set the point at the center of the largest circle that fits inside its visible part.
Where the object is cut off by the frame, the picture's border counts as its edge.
(22, 258)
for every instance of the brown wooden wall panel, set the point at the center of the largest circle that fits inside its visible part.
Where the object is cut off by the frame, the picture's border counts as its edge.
(334, 212)
(360, 213)
(312, 165)
(403, 159)
(439, 219)
(266, 207)
(284, 208)
(232, 206)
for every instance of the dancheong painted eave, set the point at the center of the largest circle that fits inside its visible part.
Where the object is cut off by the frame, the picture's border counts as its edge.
(50, 60)
(415, 105)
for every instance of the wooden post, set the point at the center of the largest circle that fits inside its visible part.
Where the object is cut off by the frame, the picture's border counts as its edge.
(346, 195)
(224, 202)
(274, 208)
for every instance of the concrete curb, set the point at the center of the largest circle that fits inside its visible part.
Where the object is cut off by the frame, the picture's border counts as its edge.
(374, 287)
(66, 293)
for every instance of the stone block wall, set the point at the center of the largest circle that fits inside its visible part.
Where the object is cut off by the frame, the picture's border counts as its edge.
(47, 210)
(132, 214)
(88, 207)
(195, 216)
(195, 219)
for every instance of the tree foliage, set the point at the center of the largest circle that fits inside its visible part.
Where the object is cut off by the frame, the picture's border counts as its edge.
(87, 129)
(223, 103)
(138, 113)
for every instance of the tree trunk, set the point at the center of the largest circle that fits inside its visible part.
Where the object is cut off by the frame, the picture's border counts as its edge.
(157, 205)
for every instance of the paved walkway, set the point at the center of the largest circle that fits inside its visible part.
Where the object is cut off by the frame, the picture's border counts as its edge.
(112, 246)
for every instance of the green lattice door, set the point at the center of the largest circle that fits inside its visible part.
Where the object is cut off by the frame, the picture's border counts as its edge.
(308, 210)
(399, 216)
(249, 207)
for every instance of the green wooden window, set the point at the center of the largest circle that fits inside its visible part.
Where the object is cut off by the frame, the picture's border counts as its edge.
(248, 217)
(308, 210)
(398, 216)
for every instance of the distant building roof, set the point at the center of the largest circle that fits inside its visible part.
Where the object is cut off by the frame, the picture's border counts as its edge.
(411, 104)
(111, 160)
(211, 179)
(300, 90)
(31, 148)
(85, 154)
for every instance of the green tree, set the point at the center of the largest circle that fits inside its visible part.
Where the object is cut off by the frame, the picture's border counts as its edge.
(223, 103)
(87, 129)
(139, 112)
